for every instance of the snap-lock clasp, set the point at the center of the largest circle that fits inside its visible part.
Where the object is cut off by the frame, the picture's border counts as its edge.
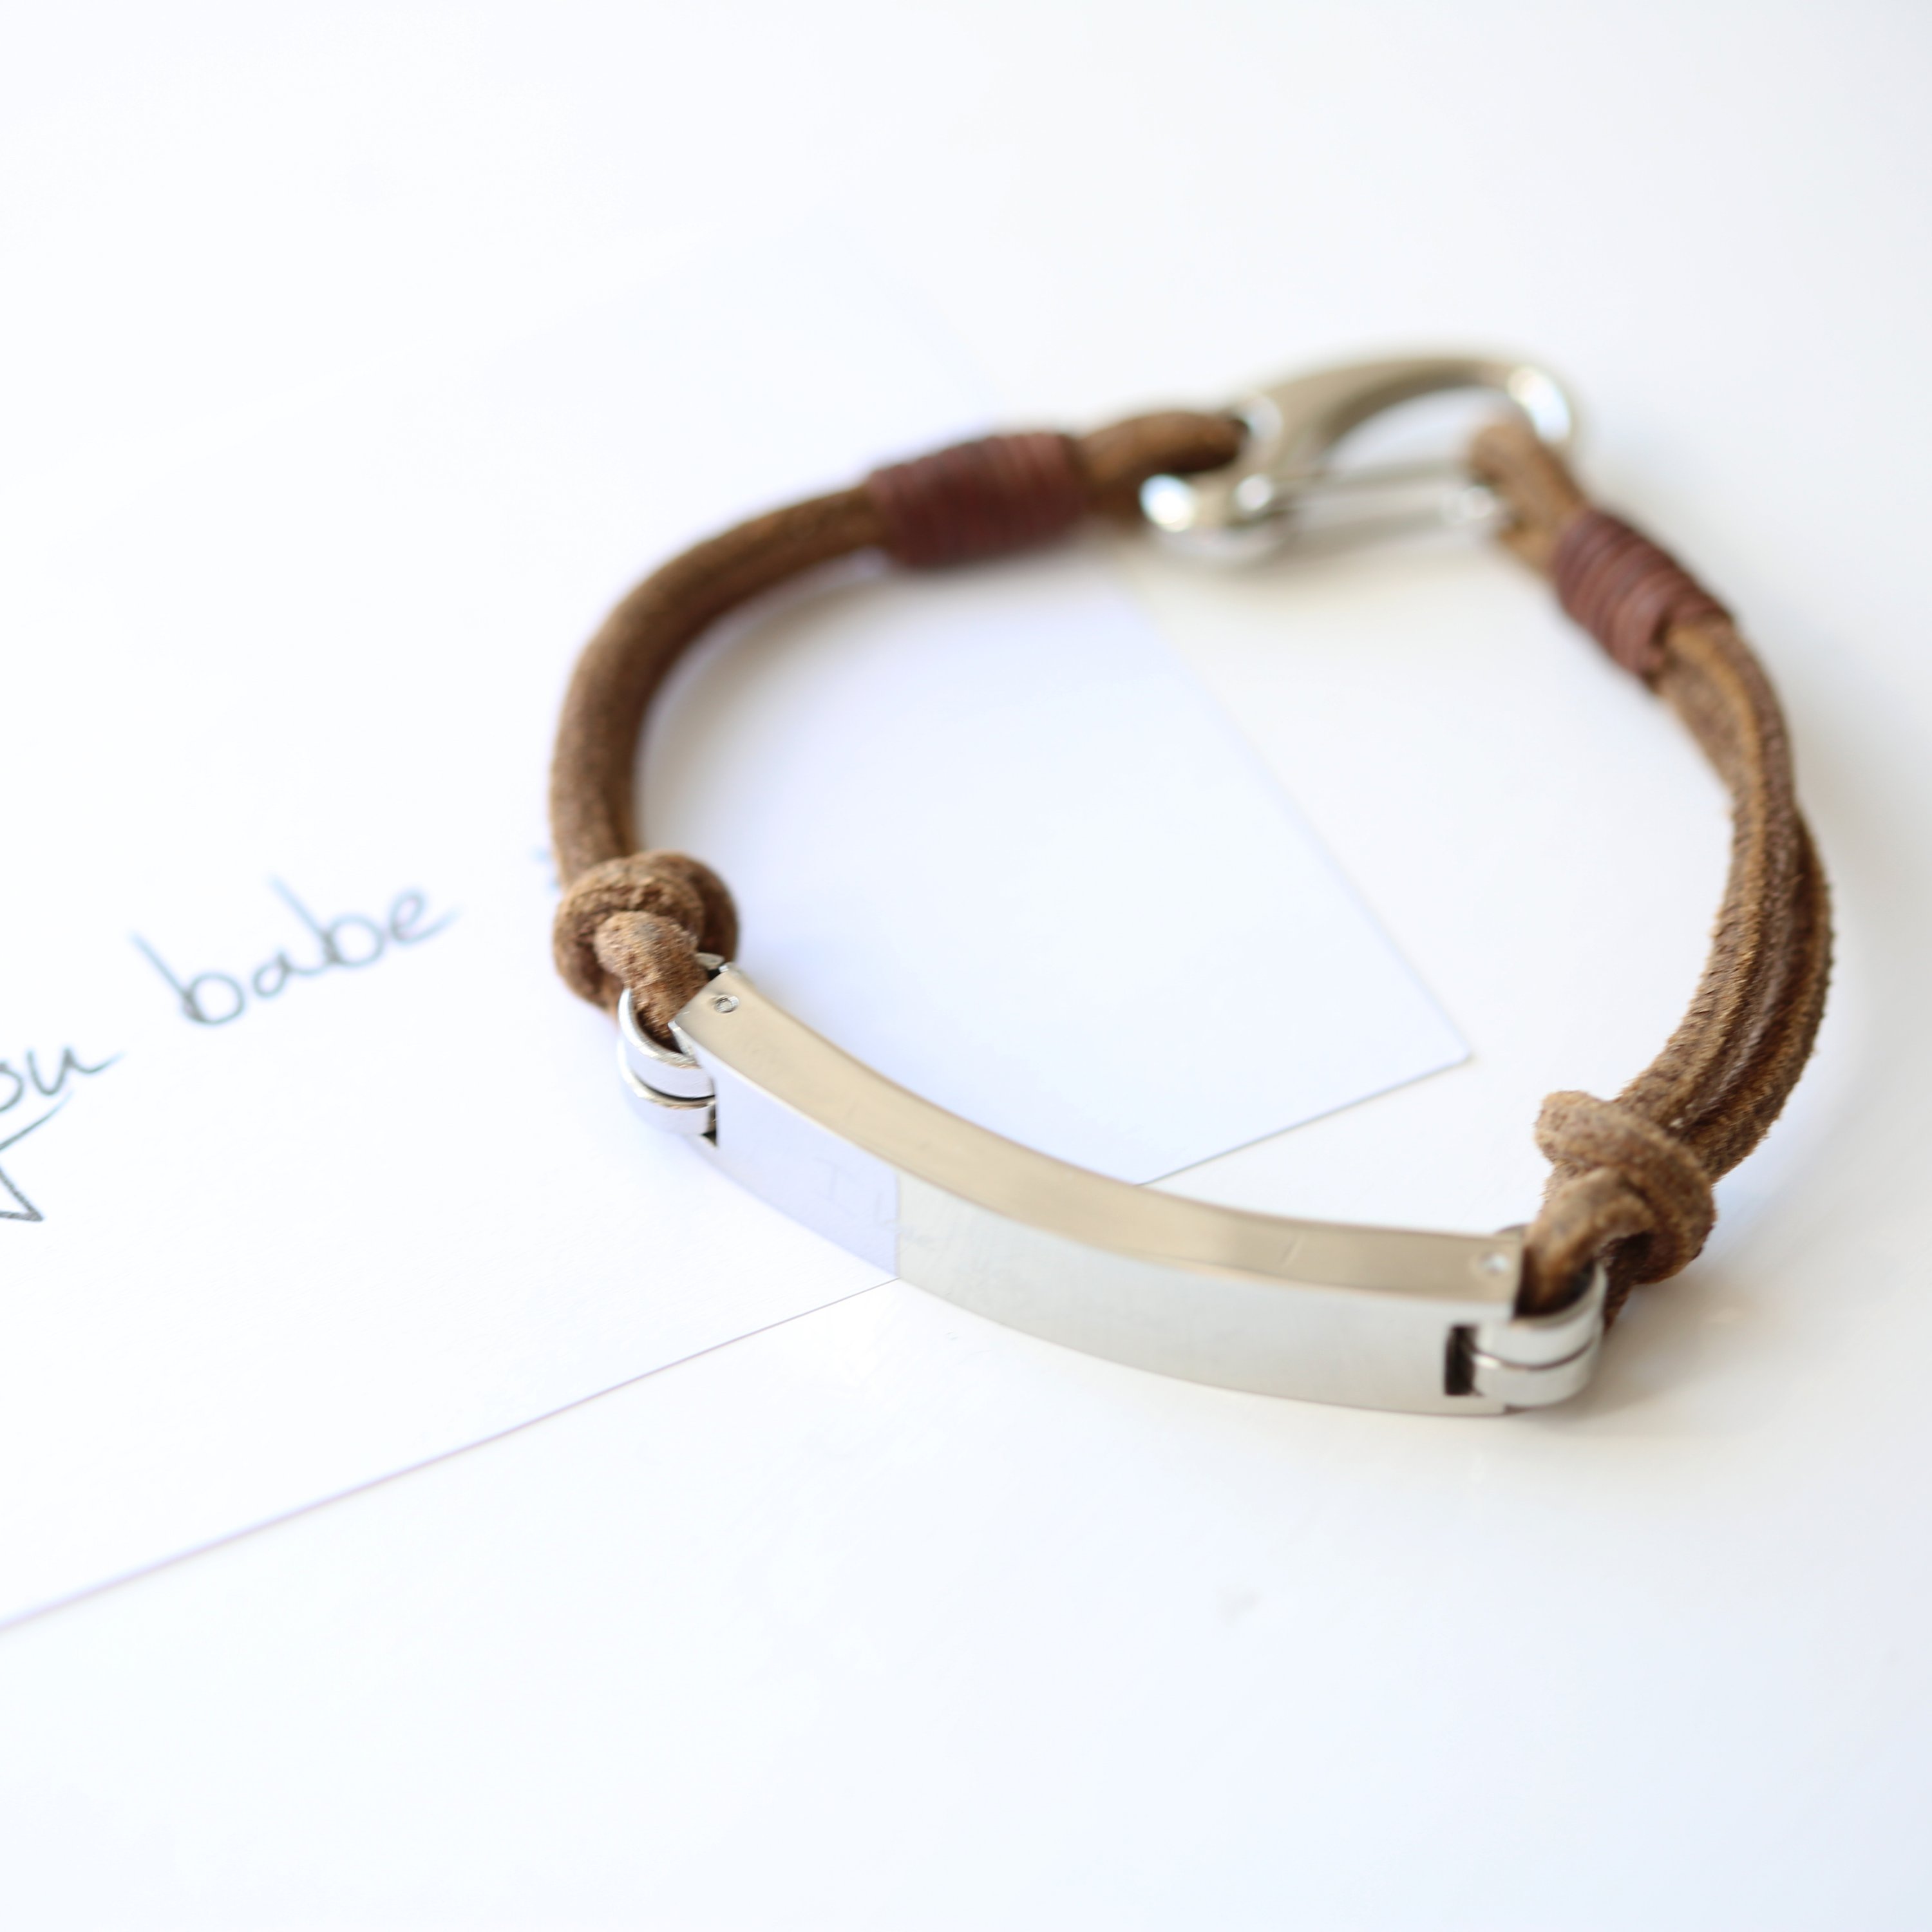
(1283, 483)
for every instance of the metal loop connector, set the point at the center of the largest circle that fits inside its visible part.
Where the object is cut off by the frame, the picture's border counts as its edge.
(669, 1088)
(1283, 483)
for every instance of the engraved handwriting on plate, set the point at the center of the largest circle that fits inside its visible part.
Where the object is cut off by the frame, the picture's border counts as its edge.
(858, 1197)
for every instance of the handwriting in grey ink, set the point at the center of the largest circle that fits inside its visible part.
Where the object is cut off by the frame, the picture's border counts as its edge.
(33, 1089)
(350, 941)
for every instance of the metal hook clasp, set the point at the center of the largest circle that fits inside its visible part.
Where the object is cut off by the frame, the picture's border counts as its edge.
(1260, 501)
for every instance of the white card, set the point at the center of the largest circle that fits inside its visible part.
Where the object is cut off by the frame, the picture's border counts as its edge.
(313, 1170)
(1038, 878)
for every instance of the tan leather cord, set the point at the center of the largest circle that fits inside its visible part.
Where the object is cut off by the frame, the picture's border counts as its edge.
(1632, 1177)
(640, 919)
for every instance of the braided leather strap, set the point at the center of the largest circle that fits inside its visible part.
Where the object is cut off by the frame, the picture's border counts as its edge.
(1631, 1178)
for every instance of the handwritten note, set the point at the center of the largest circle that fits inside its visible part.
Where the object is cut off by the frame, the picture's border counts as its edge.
(349, 941)
(309, 1169)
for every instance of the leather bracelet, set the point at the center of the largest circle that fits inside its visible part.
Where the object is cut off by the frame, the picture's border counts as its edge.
(1380, 1318)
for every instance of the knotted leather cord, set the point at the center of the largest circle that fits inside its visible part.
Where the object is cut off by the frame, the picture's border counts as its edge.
(1631, 1178)
(640, 919)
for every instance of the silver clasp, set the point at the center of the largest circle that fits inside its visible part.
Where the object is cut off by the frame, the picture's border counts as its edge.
(1282, 482)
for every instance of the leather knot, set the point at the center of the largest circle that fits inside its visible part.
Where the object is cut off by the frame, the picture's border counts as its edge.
(640, 922)
(1619, 1177)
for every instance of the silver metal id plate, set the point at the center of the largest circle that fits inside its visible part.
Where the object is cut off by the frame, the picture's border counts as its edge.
(1378, 1318)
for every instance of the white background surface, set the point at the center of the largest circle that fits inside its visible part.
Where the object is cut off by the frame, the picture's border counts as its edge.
(886, 1617)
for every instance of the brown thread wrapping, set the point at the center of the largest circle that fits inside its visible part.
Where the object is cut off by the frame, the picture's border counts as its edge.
(1626, 591)
(978, 499)
(1630, 1177)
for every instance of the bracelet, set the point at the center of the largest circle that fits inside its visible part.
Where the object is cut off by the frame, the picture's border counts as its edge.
(1380, 1318)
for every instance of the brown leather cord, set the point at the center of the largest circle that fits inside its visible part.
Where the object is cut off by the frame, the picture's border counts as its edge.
(640, 919)
(640, 922)
(1632, 1177)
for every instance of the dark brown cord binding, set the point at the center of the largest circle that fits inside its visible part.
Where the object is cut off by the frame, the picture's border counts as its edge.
(1632, 1177)
(978, 499)
(1624, 591)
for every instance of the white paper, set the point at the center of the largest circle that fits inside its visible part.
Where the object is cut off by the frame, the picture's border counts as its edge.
(1038, 878)
(326, 1175)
